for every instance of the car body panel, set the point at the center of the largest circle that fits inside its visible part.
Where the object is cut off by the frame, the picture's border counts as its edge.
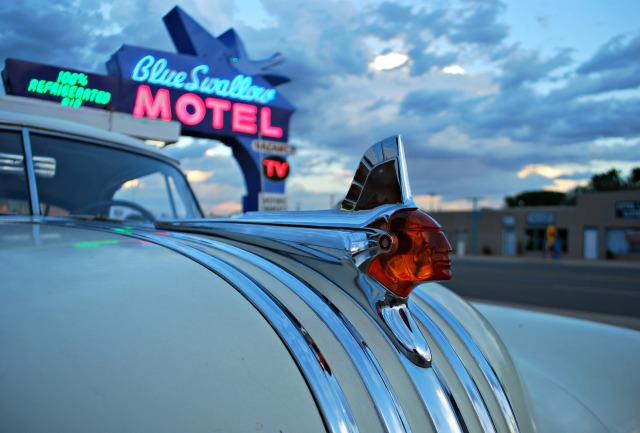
(581, 375)
(327, 272)
(161, 283)
(113, 333)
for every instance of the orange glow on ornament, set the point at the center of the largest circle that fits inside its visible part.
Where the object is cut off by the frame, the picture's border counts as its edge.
(422, 254)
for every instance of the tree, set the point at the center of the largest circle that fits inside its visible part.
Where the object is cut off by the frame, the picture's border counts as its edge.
(612, 180)
(609, 181)
(634, 178)
(537, 198)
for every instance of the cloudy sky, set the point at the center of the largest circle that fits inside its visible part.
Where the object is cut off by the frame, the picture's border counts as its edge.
(491, 97)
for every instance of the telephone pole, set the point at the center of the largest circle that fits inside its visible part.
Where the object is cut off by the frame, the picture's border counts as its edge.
(475, 216)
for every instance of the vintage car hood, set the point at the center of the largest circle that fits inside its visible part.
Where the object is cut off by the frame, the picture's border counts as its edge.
(143, 313)
(101, 331)
(471, 385)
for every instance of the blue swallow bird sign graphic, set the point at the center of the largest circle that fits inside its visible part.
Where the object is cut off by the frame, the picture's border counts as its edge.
(214, 90)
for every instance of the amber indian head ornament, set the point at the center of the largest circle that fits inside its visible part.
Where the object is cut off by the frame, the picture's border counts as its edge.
(419, 252)
(412, 249)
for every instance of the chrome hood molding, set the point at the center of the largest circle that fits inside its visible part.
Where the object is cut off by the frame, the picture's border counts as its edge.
(356, 231)
(323, 257)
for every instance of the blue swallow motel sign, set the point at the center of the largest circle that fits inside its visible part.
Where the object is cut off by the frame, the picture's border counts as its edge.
(210, 86)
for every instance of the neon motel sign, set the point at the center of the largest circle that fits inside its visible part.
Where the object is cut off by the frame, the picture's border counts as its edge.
(231, 99)
(190, 108)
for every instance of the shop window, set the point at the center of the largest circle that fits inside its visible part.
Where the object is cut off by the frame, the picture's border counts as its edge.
(535, 239)
(623, 241)
(633, 240)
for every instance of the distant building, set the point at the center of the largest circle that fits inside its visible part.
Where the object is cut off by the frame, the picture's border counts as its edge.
(601, 225)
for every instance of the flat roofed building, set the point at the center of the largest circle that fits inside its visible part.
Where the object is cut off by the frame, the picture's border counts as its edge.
(601, 225)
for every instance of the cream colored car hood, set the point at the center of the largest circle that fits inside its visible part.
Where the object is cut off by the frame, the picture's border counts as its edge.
(104, 333)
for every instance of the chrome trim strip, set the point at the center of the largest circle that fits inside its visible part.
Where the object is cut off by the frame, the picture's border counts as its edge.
(373, 377)
(427, 385)
(335, 246)
(433, 396)
(436, 402)
(324, 386)
(458, 366)
(31, 174)
(404, 174)
(329, 218)
(379, 155)
(388, 150)
(478, 356)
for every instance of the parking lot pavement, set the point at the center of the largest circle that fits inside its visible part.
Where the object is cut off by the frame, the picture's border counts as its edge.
(604, 291)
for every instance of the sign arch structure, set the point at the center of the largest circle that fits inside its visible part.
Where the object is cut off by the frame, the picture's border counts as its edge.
(215, 91)
(209, 85)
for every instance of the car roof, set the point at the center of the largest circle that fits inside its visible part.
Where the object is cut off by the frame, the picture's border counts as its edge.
(80, 130)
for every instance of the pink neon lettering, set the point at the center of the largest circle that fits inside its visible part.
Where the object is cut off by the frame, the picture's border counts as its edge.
(244, 118)
(266, 128)
(218, 107)
(191, 109)
(147, 106)
(190, 100)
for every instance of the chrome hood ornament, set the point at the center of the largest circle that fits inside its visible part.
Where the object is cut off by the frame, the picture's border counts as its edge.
(381, 178)
(377, 228)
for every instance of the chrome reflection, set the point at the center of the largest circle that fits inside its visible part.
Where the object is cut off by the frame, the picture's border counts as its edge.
(335, 245)
(339, 234)
(433, 394)
(462, 374)
(400, 321)
(329, 396)
(435, 399)
(481, 361)
(12, 163)
(381, 178)
(373, 377)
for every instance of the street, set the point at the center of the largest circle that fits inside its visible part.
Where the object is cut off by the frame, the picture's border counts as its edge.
(601, 290)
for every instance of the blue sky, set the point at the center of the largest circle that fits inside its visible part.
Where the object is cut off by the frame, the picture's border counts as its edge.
(491, 97)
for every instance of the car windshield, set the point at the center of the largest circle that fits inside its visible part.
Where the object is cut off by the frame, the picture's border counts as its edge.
(80, 178)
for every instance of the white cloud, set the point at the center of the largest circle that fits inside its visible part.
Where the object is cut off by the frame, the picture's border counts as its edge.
(428, 202)
(569, 169)
(389, 61)
(451, 138)
(453, 69)
(617, 142)
(319, 175)
(197, 176)
(220, 150)
(225, 209)
(218, 199)
(544, 171)
(565, 185)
